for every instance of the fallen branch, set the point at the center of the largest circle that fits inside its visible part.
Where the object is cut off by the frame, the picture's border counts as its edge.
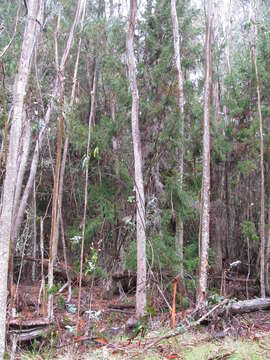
(181, 329)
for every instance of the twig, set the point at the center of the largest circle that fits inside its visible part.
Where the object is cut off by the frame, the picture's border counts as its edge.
(14, 33)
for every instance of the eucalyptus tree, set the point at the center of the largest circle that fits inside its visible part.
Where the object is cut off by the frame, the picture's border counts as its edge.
(262, 217)
(139, 185)
(180, 98)
(19, 93)
(205, 205)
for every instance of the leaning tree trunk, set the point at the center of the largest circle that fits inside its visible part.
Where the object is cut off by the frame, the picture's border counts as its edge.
(11, 166)
(140, 200)
(180, 98)
(205, 215)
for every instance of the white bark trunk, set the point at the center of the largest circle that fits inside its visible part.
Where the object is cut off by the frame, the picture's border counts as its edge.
(140, 199)
(11, 166)
(114, 138)
(180, 98)
(262, 224)
(22, 162)
(205, 217)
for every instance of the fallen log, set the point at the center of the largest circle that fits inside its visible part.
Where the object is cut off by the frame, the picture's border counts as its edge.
(29, 322)
(29, 334)
(246, 306)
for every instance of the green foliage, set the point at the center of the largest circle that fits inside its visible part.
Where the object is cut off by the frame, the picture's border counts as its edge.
(77, 131)
(52, 290)
(191, 259)
(215, 299)
(182, 199)
(222, 146)
(91, 263)
(61, 301)
(248, 230)
(246, 166)
(160, 251)
(186, 302)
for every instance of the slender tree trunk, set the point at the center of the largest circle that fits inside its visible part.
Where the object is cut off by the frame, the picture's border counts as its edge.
(140, 199)
(34, 242)
(180, 98)
(90, 122)
(114, 138)
(22, 162)
(55, 209)
(21, 165)
(262, 224)
(4, 97)
(53, 240)
(11, 166)
(205, 217)
(111, 8)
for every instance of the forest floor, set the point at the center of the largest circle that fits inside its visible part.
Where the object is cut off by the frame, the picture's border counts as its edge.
(104, 335)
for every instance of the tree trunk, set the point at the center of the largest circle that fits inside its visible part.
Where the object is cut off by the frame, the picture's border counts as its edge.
(34, 240)
(53, 238)
(180, 98)
(11, 166)
(262, 223)
(22, 162)
(90, 122)
(205, 217)
(140, 199)
(114, 138)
